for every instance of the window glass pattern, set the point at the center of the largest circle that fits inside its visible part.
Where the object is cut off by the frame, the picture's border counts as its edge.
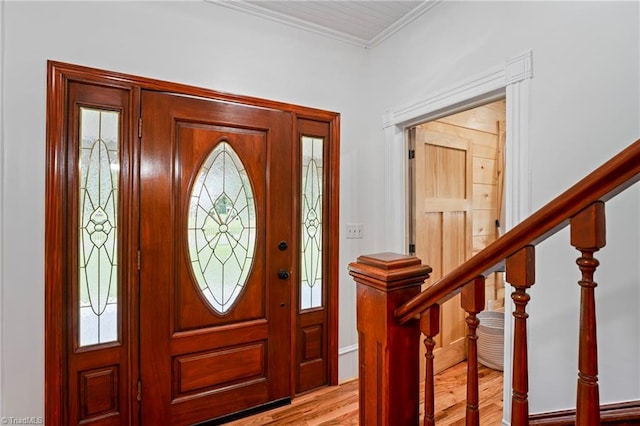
(99, 168)
(221, 228)
(312, 208)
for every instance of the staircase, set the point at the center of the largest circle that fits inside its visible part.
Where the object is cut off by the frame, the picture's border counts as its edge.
(391, 310)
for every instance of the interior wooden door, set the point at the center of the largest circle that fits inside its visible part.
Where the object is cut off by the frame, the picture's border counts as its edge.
(215, 295)
(443, 202)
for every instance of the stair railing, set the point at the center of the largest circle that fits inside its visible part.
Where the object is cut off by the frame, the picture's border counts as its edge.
(391, 310)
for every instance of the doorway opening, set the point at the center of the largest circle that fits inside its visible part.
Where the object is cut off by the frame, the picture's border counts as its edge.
(456, 198)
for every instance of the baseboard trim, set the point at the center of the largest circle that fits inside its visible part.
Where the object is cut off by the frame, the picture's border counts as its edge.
(622, 413)
(348, 349)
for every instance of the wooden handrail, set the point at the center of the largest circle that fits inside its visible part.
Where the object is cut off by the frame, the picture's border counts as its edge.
(605, 182)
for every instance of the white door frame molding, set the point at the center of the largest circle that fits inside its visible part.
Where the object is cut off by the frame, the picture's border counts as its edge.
(511, 80)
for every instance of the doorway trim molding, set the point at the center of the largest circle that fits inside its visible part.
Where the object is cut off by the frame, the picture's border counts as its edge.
(511, 80)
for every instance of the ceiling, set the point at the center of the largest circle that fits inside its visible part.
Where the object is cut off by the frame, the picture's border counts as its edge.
(363, 23)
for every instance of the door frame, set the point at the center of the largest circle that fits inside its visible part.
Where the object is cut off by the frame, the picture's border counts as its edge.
(59, 75)
(510, 80)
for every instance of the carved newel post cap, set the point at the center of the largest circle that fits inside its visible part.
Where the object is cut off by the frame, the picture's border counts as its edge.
(389, 271)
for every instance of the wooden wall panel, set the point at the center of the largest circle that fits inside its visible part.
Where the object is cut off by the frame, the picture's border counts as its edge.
(484, 225)
(485, 145)
(484, 170)
(480, 242)
(484, 196)
(482, 118)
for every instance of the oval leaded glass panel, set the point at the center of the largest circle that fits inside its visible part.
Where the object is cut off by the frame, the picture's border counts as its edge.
(221, 230)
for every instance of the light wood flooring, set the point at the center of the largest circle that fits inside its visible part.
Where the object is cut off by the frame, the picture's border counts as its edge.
(338, 405)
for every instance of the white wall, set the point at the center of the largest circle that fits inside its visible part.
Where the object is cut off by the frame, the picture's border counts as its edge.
(585, 107)
(585, 104)
(188, 42)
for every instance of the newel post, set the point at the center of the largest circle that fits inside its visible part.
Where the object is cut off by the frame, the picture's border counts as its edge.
(388, 352)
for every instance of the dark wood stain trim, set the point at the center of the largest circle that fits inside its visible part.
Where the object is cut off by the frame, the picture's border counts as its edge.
(55, 367)
(116, 79)
(333, 234)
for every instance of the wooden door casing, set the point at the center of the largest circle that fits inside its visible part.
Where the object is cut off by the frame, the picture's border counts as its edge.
(443, 202)
(199, 364)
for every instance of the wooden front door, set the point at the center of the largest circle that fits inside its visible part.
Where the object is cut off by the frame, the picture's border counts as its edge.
(216, 213)
(179, 286)
(443, 201)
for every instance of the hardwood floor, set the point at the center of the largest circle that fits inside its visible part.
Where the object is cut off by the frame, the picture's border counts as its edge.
(338, 405)
(451, 396)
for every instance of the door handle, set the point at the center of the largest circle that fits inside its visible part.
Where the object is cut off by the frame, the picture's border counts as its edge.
(283, 274)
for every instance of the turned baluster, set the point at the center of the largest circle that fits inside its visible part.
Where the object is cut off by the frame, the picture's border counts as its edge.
(520, 273)
(430, 327)
(472, 302)
(588, 236)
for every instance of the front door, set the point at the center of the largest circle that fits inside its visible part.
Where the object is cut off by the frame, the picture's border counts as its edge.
(216, 214)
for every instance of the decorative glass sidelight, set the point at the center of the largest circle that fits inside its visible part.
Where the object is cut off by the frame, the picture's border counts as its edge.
(221, 228)
(99, 168)
(312, 208)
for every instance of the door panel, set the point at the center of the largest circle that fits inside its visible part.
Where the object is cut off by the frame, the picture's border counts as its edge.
(205, 354)
(443, 194)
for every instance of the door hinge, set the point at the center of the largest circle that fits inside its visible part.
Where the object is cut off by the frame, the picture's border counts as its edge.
(139, 396)
(412, 248)
(412, 154)
(138, 260)
(140, 127)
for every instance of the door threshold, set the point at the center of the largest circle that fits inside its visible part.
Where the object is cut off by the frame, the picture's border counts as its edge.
(246, 413)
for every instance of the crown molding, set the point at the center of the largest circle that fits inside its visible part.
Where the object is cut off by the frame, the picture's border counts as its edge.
(261, 12)
(411, 16)
(281, 18)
